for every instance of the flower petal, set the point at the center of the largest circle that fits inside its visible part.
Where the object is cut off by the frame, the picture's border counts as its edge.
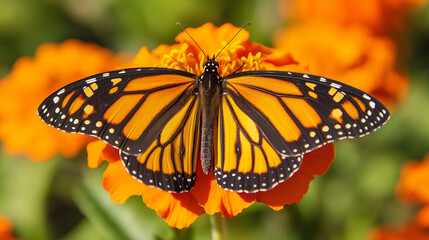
(215, 199)
(178, 210)
(422, 217)
(291, 191)
(99, 151)
(355, 57)
(212, 39)
(6, 228)
(32, 80)
(414, 176)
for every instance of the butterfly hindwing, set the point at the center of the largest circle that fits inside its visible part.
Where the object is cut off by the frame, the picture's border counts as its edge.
(246, 162)
(170, 162)
(300, 112)
(127, 108)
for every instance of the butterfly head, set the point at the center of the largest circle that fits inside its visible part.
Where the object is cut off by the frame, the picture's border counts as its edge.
(211, 66)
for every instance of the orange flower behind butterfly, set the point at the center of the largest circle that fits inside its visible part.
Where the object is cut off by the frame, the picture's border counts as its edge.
(6, 228)
(379, 16)
(181, 209)
(411, 231)
(351, 54)
(30, 81)
(413, 189)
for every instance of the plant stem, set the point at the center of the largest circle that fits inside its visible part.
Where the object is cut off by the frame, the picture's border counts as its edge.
(218, 226)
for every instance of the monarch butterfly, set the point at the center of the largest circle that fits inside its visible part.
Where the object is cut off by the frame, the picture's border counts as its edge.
(252, 128)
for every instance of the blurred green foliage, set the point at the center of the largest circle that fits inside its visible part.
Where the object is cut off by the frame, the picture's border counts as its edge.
(63, 199)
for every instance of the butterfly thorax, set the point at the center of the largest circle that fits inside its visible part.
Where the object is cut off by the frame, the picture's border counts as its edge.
(209, 89)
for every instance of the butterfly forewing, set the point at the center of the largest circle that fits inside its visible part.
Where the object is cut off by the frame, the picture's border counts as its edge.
(127, 108)
(300, 112)
(170, 162)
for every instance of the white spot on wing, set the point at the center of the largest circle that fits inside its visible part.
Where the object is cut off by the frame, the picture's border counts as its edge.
(366, 96)
(335, 85)
(91, 80)
(61, 91)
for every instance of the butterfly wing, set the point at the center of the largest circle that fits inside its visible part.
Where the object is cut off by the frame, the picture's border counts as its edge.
(170, 162)
(131, 110)
(246, 161)
(293, 113)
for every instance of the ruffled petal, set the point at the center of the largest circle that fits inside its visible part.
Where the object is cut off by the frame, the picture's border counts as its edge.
(6, 228)
(356, 57)
(211, 38)
(422, 217)
(99, 151)
(32, 80)
(291, 191)
(215, 199)
(178, 210)
(415, 175)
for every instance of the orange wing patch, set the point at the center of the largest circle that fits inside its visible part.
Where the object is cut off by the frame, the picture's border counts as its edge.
(303, 111)
(350, 109)
(121, 108)
(153, 82)
(271, 106)
(149, 109)
(269, 84)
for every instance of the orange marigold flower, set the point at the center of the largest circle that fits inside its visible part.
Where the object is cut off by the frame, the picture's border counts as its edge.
(408, 232)
(380, 16)
(6, 229)
(30, 81)
(413, 187)
(350, 55)
(180, 210)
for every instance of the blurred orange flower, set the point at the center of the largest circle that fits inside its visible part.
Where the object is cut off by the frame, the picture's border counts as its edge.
(378, 16)
(30, 81)
(407, 233)
(6, 229)
(350, 55)
(180, 210)
(413, 187)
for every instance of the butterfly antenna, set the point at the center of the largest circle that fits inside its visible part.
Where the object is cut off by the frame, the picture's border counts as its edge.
(247, 23)
(178, 23)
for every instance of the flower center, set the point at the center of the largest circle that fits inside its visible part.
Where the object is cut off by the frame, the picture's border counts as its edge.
(230, 60)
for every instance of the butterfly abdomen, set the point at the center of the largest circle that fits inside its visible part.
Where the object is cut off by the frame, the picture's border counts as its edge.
(209, 90)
